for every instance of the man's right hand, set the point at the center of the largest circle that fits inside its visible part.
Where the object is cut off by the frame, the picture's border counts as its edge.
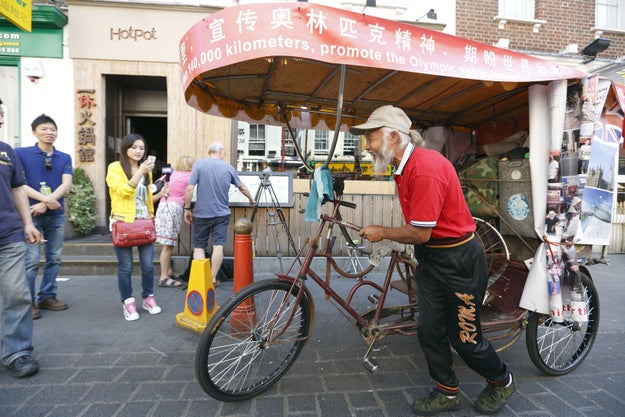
(38, 209)
(33, 235)
(188, 216)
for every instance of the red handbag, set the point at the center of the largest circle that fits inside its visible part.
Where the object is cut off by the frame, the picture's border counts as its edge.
(140, 232)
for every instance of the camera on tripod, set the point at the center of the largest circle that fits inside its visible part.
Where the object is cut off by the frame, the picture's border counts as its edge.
(264, 179)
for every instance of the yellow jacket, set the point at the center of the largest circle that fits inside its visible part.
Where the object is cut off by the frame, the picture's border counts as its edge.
(123, 206)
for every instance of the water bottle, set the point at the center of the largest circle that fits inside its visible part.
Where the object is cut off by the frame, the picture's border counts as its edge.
(44, 189)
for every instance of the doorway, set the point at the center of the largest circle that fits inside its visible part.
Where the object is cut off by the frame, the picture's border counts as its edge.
(154, 131)
(136, 104)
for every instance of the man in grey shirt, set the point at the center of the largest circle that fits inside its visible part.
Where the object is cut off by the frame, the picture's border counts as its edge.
(210, 215)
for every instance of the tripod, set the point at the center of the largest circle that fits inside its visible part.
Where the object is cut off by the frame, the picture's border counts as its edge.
(266, 194)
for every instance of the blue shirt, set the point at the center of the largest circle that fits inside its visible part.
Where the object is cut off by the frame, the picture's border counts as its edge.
(213, 178)
(33, 161)
(11, 176)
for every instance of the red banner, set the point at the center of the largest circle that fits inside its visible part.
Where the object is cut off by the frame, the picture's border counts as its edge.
(321, 33)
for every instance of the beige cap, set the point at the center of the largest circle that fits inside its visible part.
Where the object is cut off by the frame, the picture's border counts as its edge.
(385, 116)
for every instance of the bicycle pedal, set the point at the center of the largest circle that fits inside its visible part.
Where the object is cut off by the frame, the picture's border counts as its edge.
(371, 364)
(374, 298)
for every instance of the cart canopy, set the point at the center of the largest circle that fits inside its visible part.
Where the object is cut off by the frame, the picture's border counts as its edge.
(306, 63)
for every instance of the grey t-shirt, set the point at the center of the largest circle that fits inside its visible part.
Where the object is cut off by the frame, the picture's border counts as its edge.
(213, 178)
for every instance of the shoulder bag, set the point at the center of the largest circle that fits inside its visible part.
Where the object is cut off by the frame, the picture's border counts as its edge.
(140, 232)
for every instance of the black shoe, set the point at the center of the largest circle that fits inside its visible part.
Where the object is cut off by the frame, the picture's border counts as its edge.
(23, 366)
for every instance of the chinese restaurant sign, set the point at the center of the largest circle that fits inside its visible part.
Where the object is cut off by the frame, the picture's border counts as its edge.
(312, 31)
(85, 134)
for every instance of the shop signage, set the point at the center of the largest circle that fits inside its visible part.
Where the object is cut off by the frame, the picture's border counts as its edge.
(85, 132)
(132, 34)
(18, 12)
(40, 43)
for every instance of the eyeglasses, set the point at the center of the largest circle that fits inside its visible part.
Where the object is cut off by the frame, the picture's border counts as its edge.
(49, 162)
(369, 139)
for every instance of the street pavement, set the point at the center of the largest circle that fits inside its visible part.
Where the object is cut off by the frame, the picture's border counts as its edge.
(96, 364)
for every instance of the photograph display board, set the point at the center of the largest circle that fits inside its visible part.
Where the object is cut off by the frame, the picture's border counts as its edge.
(280, 182)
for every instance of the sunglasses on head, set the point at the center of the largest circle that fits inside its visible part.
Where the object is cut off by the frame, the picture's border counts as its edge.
(49, 162)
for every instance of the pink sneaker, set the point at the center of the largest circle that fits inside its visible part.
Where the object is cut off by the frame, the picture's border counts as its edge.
(130, 309)
(149, 304)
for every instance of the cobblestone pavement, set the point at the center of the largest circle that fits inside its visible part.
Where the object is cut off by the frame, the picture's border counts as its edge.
(95, 364)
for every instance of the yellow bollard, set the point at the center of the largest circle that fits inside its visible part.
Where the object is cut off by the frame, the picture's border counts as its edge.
(201, 301)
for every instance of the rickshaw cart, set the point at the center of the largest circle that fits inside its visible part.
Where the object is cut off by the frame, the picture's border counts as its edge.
(310, 66)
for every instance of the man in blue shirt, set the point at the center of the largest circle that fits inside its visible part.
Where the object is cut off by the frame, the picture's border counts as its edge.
(43, 163)
(211, 214)
(17, 331)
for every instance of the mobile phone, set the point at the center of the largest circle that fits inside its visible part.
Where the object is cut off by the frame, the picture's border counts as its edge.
(151, 158)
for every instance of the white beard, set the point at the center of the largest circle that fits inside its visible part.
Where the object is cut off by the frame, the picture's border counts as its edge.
(382, 160)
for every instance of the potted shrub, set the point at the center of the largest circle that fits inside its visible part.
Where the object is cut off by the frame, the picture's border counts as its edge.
(81, 202)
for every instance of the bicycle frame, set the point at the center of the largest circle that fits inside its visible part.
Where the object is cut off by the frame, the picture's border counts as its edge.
(370, 323)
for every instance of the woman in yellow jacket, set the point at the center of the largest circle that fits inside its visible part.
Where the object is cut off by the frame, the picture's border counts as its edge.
(128, 180)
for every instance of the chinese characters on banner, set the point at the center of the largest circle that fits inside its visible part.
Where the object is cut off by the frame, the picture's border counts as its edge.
(85, 134)
(316, 32)
(303, 33)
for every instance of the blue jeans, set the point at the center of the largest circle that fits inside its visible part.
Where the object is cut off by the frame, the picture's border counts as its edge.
(17, 320)
(52, 228)
(124, 270)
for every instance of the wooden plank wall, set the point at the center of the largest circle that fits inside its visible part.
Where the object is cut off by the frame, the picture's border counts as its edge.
(371, 209)
(617, 237)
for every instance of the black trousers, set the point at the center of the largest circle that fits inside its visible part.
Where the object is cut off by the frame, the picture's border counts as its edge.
(452, 283)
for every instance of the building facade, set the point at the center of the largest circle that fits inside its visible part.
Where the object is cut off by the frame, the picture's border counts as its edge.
(566, 32)
(119, 73)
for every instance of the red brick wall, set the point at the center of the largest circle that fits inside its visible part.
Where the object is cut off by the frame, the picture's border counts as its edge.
(567, 22)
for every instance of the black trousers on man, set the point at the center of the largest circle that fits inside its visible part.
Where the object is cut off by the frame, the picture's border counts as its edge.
(452, 280)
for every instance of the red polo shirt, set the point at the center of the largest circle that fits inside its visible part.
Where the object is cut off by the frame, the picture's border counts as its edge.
(430, 194)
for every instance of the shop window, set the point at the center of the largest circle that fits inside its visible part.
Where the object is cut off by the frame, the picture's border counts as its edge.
(350, 142)
(289, 146)
(257, 140)
(517, 9)
(609, 15)
(322, 138)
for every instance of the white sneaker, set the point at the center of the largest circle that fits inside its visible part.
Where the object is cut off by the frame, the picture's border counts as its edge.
(130, 309)
(149, 304)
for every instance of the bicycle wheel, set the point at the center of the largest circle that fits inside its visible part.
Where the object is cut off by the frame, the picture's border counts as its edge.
(558, 348)
(250, 342)
(494, 244)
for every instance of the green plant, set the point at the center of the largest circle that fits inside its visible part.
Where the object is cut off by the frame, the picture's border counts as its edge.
(81, 202)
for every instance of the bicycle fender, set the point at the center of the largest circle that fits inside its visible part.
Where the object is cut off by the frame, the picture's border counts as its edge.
(307, 294)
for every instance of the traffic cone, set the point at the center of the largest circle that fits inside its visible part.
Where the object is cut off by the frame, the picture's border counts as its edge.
(201, 301)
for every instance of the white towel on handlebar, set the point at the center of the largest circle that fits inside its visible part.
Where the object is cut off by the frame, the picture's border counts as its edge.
(321, 191)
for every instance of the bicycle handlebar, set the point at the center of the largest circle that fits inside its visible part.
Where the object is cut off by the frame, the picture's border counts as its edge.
(345, 203)
(338, 220)
(339, 202)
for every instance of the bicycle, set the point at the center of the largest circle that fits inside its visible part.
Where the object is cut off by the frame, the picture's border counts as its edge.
(255, 337)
